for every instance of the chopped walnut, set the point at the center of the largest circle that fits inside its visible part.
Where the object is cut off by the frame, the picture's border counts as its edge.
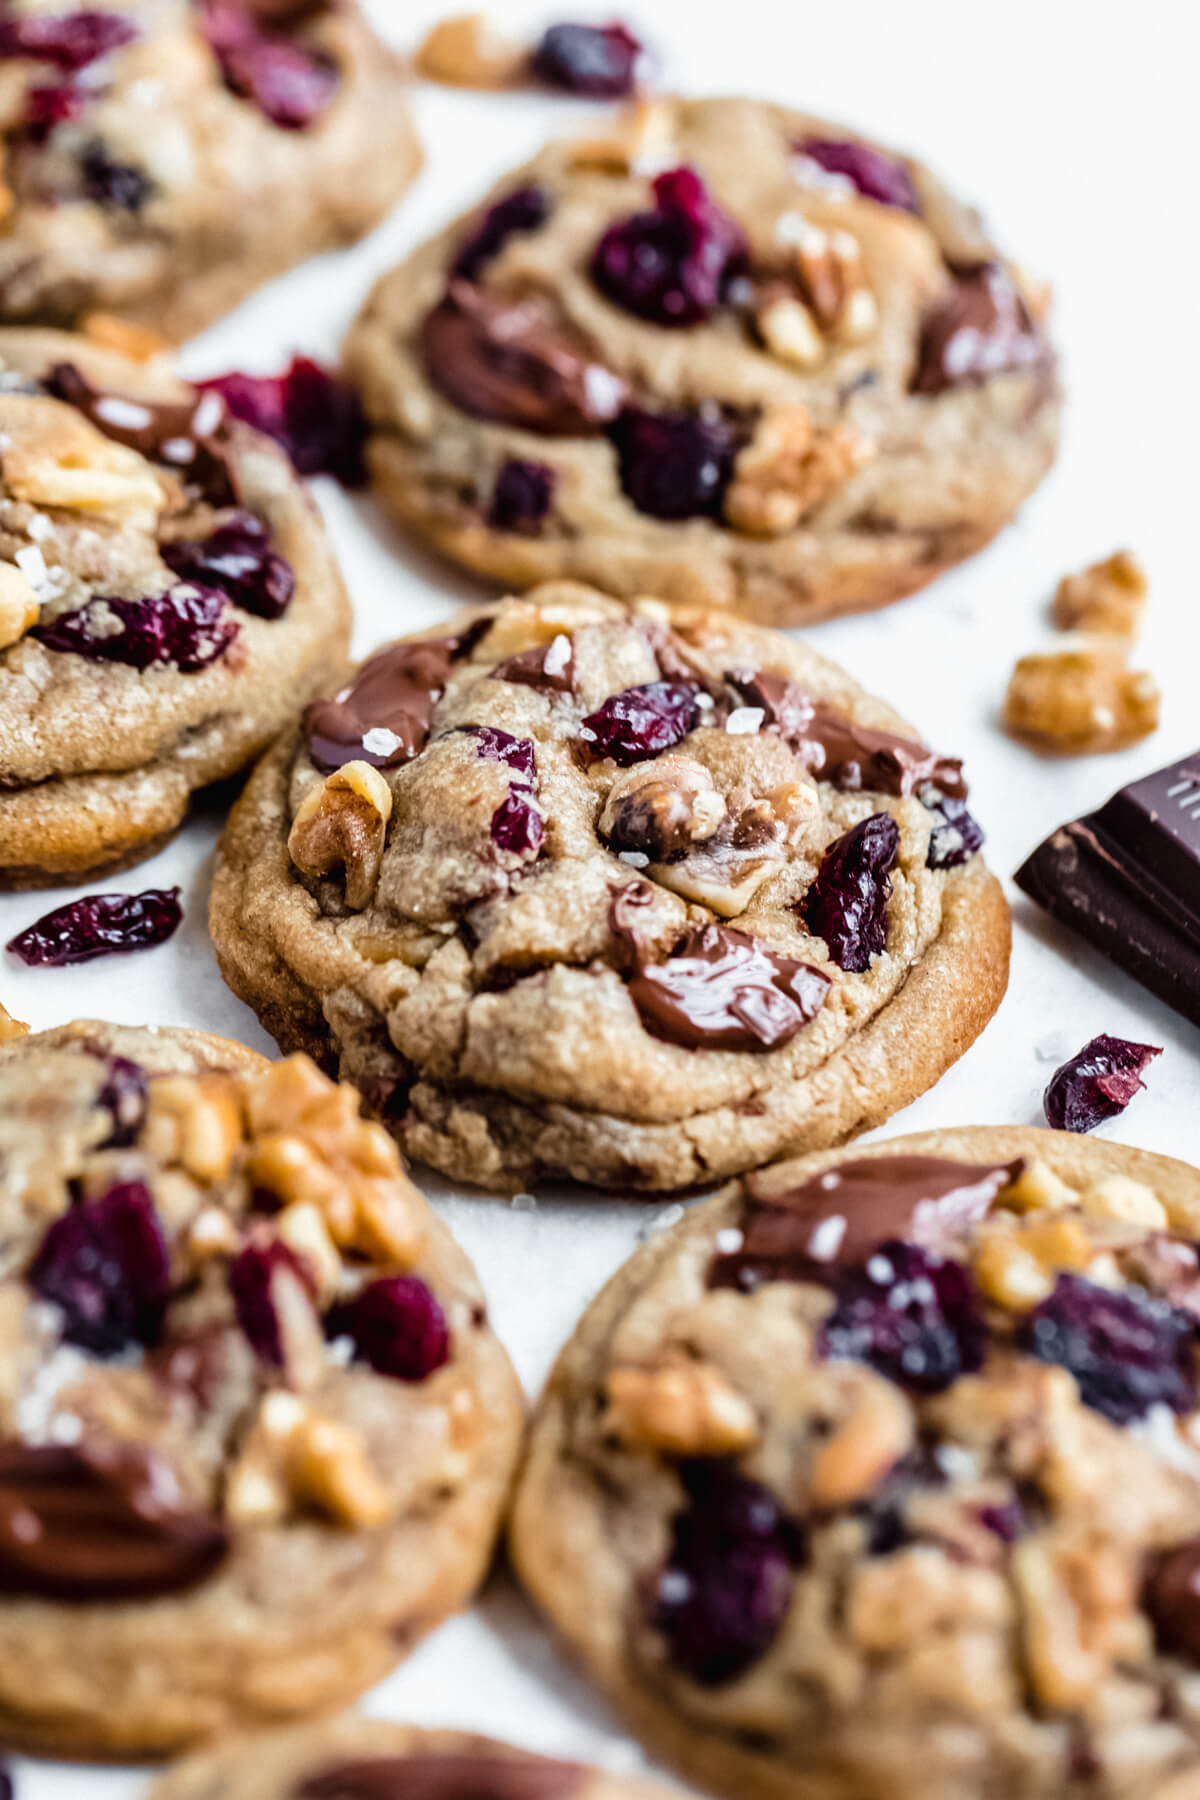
(1109, 597)
(10, 1028)
(827, 268)
(294, 1458)
(641, 142)
(749, 846)
(343, 824)
(1037, 1188)
(1079, 1602)
(195, 1121)
(136, 342)
(1080, 698)
(524, 626)
(468, 51)
(788, 329)
(878, 1430)
(1019, 1269)
(18, 604)
(787, 469)
(1124, 1201)
(662, 808)
(53, 457)
(311, 1146)
(681, 1408)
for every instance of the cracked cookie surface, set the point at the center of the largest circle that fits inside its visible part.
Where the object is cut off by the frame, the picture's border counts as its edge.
(693, 356)
(257, 1433)
(167, 598)
(164, 159)
(879, 1475)
(632, 894)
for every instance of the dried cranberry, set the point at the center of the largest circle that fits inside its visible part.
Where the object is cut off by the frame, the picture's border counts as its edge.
(597, 60)
(68, 40)
(517, 825)
(1172, 1600)
(188, 626)
(99, 925)
(1005, 1520)
(123, 1096)
(726, 1586)
(116, 184)
(292, 86)
(105, 1265)
(675, 465)
(875, 174)
(1127, 1351)
(1097, 1083)
(642, 722)
(847, 902)
(252, 1278)
(523, 210)
(672, 266)
(956, 836)
(397, 1326)
(499, 746)
(317, 418)
(909, 1314)
(238, 559)
(46, 107)
(521, 497)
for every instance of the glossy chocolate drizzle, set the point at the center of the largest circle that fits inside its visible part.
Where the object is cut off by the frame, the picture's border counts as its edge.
(99, 1522)
(837, 1218)
(188, 436)
(505, 360)
(464, 1775)
(833, 748)
(724, 990)
(384, 716)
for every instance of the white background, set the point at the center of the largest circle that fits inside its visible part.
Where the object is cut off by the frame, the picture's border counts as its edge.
(1072, 124)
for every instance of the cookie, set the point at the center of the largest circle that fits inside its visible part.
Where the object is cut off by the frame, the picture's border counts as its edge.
(726, 353)
(880, 1476)
(257, 1433)
(632, 895)
(163, 160)
(373, 1759)
(167, 599)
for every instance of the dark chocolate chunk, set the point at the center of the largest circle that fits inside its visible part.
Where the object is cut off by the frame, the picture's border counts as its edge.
(983, 328)
(189, 436)
(1172, 1599)
(549, 668)
(1127, 878)
(466, 1775)
(724, 990)
(384, 715)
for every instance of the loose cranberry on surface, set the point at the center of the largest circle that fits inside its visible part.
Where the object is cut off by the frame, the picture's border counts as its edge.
(291, 85)
(909, 1314)
(597, 60)
(397, 1326)
(672, 266)
(523, 210)
(99, 925)
(875, 174)
(188, 626)
(521, 497)
(847, 902)
(725, 1589)
(317, 418)
(105, 1265)
(641, 722)
(123, 1096)
(1097, 1083)
(238, 559)
(1127, 1351)
(68, 40)
(675, 465)
(252, 1282)
(956, 836)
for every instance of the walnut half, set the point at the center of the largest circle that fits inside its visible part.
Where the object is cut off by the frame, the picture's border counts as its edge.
(343, 824)
(662, 808)
(787, 469)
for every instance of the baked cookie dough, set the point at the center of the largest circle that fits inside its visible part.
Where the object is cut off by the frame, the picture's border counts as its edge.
(167, 598)
(373, 1759)
(637, 896)
(163, 158)
(878, 1478)
(725, 353)
(256, 1432)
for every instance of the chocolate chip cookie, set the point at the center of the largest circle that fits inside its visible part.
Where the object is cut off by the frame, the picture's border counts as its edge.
(879, 1476)
(724, 353)
(163, 159)
(636, 895)
(256, 1432)
(373, 1759)
(167, 598)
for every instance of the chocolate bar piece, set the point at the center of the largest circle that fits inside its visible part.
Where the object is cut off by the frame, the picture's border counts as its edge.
(1127, 878)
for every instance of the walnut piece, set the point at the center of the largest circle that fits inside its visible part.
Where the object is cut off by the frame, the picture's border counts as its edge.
(1109, 597)
(641, 142)
(876, 1433)
(787, 469)
(679, 1407)
(1081, 698)
(54, 457)
(1079, 1615)
(342, 824)
(725, 872)
(1124, 1201)
(466, 50)
(827, 268)
(195, 1121)
(294, 1459)
(1019, 1269)
(10, 1028)
(662, 808)
(18, 604)
(1037, 1188)
(136, 342)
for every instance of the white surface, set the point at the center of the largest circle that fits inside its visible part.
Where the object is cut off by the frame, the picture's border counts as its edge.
(1077, 136)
